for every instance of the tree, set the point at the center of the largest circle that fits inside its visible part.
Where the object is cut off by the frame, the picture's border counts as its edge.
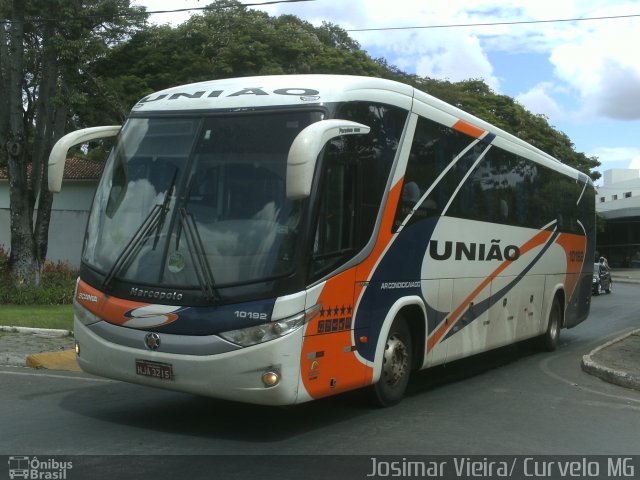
(44, 49)
(228, 40)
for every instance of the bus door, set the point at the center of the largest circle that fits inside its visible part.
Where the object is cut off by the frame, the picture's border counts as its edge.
(329, 361)
(353, 174)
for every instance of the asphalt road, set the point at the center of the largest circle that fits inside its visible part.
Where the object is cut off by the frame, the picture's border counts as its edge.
(512, 401)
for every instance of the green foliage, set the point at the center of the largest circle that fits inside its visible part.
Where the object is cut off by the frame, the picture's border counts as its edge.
(57, 285)
(229, 40)
(71, 35)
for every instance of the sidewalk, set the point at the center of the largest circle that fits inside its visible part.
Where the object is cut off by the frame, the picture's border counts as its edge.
(626, 275)
(616, 362)
(37, 348)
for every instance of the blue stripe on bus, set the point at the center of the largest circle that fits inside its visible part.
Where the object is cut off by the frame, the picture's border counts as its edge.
(401, 263)
(488, 138)
(222, 318)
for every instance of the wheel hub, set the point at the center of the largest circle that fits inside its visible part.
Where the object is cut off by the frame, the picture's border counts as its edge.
(395, 362)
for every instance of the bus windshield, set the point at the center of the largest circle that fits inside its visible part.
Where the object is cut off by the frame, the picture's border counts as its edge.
(198, 202)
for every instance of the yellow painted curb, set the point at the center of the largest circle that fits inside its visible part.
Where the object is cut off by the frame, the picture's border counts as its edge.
(65, 360)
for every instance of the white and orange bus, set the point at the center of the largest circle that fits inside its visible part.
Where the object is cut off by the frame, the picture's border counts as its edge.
(276, 240)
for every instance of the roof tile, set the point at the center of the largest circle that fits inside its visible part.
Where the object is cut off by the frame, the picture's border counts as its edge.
(74, 169)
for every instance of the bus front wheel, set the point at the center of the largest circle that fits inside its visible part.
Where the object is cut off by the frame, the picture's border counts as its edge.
(396, 365)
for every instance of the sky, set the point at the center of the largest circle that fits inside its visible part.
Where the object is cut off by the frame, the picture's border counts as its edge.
(583, 75)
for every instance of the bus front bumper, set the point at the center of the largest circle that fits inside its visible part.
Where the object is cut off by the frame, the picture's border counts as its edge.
(239, 375)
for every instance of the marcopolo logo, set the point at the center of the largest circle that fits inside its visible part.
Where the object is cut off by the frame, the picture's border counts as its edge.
(154, 294)
(38, 469)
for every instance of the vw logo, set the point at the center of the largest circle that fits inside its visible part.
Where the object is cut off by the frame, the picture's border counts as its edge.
(152, 341)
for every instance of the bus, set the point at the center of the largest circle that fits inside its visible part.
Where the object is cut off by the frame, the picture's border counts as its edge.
(279, 239)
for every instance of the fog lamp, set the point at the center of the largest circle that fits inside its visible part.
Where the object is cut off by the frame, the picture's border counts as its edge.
(77, 346)
(270, 379)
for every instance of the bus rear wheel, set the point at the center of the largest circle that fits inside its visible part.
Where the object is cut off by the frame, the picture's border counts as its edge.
(396, 365)
(549, 340)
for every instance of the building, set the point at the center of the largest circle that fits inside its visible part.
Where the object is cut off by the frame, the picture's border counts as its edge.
(68, 214)
(618, 202)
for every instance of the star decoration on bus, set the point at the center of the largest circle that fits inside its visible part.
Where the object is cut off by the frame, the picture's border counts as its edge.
(336, 311)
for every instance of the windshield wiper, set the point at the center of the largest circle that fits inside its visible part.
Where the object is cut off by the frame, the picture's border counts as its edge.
(154, 221)
(165, 208)
(132, 248)
(198, 255)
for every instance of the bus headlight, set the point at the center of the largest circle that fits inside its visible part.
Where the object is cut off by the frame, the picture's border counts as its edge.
(246, 337)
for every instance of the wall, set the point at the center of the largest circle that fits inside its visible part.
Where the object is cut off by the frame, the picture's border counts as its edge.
(68, 220)
(618, 201)
(619, 196)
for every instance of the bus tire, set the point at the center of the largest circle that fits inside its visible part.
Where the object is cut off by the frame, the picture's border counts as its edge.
(396, 365)
(549, 340)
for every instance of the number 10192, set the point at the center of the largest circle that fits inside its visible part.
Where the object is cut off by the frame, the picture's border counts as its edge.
(251, 315)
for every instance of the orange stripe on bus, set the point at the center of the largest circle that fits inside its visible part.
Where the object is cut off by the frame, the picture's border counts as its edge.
(468, 129)
(572, 243)
(539, 239)
(385, 236)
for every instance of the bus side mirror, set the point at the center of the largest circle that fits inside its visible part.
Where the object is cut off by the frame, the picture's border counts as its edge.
(58, 155)
(304, 151)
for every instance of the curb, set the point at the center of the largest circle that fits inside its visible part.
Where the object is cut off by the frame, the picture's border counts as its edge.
(65, 360)
(625, 280)
(611, 375)
(56, 360)
(49, 332)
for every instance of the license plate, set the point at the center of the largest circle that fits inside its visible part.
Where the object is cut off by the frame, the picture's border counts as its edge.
(162, 371)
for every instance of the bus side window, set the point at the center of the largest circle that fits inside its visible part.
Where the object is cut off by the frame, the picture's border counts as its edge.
(434, 147)
(420, 172)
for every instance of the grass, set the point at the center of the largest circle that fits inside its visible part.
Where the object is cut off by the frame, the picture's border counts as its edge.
(39, 316)
(47, 305)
